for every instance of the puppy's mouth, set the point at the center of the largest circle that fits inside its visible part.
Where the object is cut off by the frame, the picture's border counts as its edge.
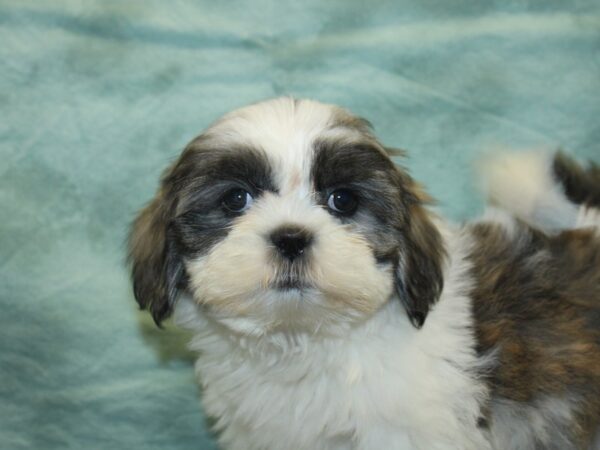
(290, 281)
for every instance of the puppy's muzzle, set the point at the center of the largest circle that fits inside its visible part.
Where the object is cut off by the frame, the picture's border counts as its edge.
(291, 241)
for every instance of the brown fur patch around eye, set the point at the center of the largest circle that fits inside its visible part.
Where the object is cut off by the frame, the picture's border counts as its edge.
(581, 185)
(536, 303)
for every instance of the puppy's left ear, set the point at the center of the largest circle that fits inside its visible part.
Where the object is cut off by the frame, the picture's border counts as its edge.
(419, 279)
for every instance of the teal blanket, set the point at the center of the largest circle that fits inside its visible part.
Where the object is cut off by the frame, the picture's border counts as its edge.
(97, 97)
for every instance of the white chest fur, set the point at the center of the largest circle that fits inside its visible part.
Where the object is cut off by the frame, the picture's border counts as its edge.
(383, 385)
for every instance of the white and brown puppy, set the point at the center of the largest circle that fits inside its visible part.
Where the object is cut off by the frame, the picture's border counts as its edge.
(332, 310)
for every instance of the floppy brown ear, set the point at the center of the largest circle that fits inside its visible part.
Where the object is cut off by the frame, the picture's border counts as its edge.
(419, 278)
(156, 268)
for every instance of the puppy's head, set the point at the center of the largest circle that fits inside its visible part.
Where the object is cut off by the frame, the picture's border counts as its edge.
(286, 215)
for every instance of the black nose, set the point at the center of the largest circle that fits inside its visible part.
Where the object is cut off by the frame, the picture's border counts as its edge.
(291, 241)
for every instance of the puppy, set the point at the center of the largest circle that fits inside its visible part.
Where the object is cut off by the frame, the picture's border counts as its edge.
(332, 309)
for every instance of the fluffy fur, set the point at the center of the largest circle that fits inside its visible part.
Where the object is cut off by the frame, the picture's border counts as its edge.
(379, 325)
(548, 191)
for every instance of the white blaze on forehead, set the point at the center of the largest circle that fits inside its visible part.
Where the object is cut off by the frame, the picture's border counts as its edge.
(285, 129)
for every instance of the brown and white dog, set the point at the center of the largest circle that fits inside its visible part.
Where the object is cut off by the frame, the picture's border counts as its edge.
(332, 310)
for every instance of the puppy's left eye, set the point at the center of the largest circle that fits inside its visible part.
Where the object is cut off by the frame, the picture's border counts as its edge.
(237, 200)
(342, 201)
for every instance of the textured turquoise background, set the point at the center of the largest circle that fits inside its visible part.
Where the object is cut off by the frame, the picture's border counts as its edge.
(97, 97)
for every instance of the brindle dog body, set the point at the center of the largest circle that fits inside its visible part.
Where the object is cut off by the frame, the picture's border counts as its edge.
(536, 304)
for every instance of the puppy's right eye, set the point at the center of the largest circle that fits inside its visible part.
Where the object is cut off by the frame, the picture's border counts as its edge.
(237, 200)
(342, 201)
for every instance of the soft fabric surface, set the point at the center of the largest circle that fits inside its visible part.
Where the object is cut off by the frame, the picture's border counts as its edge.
(97, 97)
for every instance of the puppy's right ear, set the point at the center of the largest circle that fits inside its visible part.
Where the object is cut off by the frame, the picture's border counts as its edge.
(156, 268)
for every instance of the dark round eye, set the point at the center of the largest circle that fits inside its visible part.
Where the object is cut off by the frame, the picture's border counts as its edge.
(237, 200)
(342, 201)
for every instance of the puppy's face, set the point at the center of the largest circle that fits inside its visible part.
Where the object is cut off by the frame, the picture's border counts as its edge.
(286, 216)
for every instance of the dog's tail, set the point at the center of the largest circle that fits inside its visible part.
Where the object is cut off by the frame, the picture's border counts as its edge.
(548, 191)
(580, 184)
